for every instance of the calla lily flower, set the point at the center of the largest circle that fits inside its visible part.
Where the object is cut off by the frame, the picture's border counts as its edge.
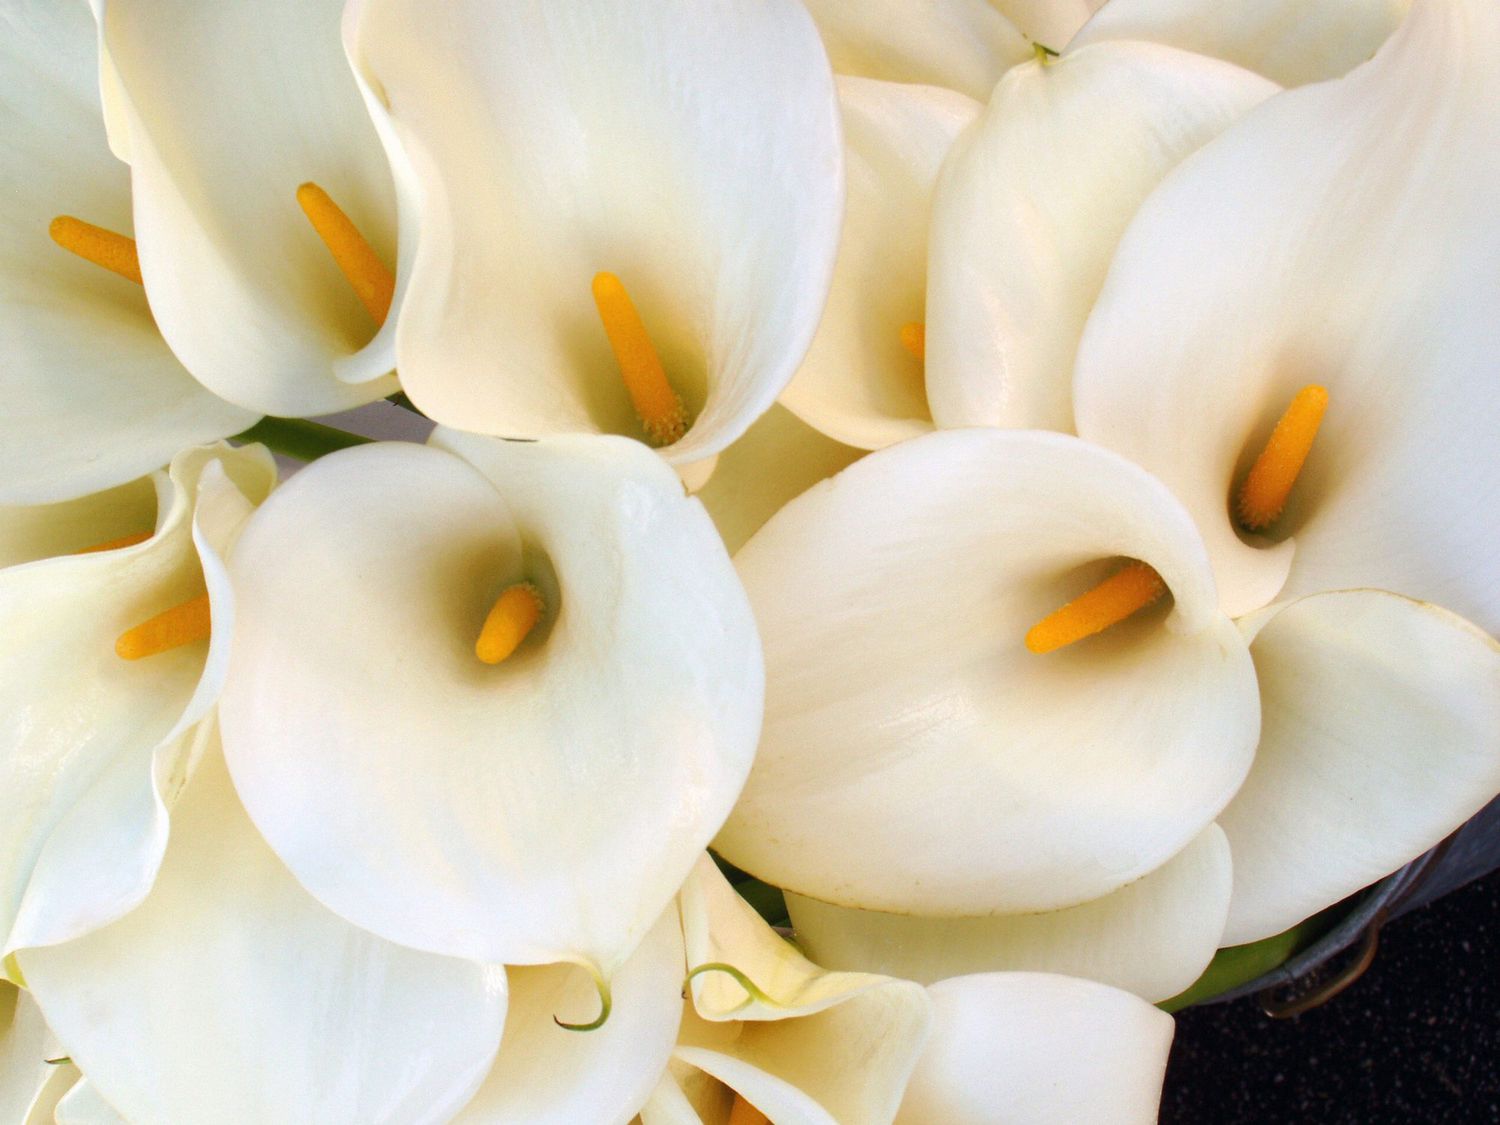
(862, 380)
(681, 159)
(224, 111)
(774, 1031)
(93, 396)
(1031, 205)
(916, 757)
(109, 667)
(491, 699)
(1240, 282)
(321, 1022)
(1291, 42)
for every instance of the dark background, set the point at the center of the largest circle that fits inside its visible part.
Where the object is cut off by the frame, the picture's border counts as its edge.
(1416, 1039)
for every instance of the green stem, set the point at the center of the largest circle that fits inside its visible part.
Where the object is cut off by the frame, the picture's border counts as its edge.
(1239, 964)
(299, 438)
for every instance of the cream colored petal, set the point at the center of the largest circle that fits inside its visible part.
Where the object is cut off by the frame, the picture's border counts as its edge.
(27, 1081)
(83, 1105)
(1038, 1049)
(242, 999)
(1289, 41)
(544, 809)
(1382, 736)
(859, 384)
(965, 45)
(93, 397)
(230, 106)
(32, 532)
(1051, 22)
(916, 756)
(1031, 205)
(1153, 937)
(546, 1075)
(778, 458)
(1343, 235)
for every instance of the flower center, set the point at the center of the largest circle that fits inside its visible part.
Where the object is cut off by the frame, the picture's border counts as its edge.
(181, 625)
(115, 252)
(743, 1113)
(356, 259)
(1266, 488)
(1121, 595)
(513, 616)
(914, 338)
(656, 404)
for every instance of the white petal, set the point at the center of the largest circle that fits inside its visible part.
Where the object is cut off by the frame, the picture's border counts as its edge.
(859, 384)
(691, 148)
(1380, 738)
(83, 1105)
(96, 747)
(778, 458)
(1031, 206)
(26, 1078)
(1153, 937)
(542, 810)
(1051, 22)
(671, 1104)
(1289, 41)
(916, 757)
(965, 45)
(93, 397)
(1033, 1048)
(32, 532)
(230, 106)
(1341, 234)
(307, 1017)
(546, 1075)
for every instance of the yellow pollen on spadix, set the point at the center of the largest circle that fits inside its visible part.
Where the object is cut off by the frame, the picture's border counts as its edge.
(914, 338)
(1124, 593)
(513, 616)
(356, 259)
(656, 404)
(107, 248)
(743, 1113)
(181, 625)
(1265, 491)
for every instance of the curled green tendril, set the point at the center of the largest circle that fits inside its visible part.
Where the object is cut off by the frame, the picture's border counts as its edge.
(606, 1002)
(753, 991)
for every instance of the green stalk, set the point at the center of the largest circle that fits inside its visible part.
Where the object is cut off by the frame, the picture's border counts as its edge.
(299, 438)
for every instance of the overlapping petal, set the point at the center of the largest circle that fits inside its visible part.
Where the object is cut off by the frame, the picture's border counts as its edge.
(1289, 41)
(545, 809)
(1052, 23)
(1031, 206)
(1380, 738)
(916, 756)
(1039, 1049)
(225, 109)
(27, 1081)
(859, 384)
(83, 1105)
(326, 1022)
(1153, 937)
(96, 747)
(93, 396)
(1342, 235)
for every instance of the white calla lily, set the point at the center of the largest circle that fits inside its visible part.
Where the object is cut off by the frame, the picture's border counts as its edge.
(97, 746)
(862, 381)
(1379, 740)
(1039, 1049)
(916, 757)
(543, 809)
(93, 395)
(685, 155)
(323, 1022)
(225, 109)
(1339, 236)
(1292, 42)
(29, 1083)
(963, 45)
(1153, 937)
(1031, 206)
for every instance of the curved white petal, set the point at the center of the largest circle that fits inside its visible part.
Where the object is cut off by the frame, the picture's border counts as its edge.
(691, 148)
(1289, 41)
(32, 532)
(83, 1105)
(26, 1043)
(93, 397)
(687, 1096)
(778, 458)
(545, 809)
(859, 384)
(1034, 1048)
(546, 1075)
(1050, 22)
(1341, 234)
(229, 107)
(260, 1004)
(1381, 736)
(965, 45)
(96, 747)
(916, 757)
(1031, 205)
(1153, 937)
